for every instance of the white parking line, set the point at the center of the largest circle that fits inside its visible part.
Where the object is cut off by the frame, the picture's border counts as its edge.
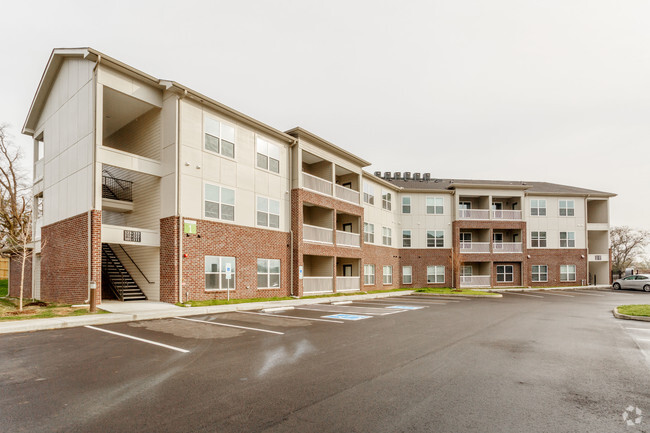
(388, 304)
(588, 294)
(616, 292)
(558, 294)
(166, 346)
(289, 317)
(345, 309)
(523, 294)
(229, 326)
(639, 329)
(375, 302)
(435, 298)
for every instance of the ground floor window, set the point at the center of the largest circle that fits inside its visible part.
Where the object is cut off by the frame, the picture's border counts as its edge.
(388, 275)
(505, 273)
(220, 273)
(540, 273)
(369, 275)
(268, 274)
(466, 271)
(567, 272)
(435, 274)
(407, 275)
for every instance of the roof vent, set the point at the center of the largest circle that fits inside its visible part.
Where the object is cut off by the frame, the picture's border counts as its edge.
(416, 176)
(387, 175)
(426, 176)
(398, 175)
(407, 175)
(378, 173)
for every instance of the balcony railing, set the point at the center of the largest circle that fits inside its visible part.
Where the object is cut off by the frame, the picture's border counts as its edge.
(506, 214)
(321, 235)
(474, 214)
(475, 281)
(117, 189)
(599, 257)
(347, 194)
(474, 247)
(316, 184)
(317, 285)
(507, 247)
(348, 239)
(347, 284)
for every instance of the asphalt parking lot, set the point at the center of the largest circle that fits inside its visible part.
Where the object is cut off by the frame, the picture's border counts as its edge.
(533, 362)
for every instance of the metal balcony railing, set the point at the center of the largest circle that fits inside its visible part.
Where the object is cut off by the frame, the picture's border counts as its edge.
(506, 214)
(347, 194)
(348, 284)
(474, 247)
(348, 239)
(475, 281)
(317, 184)
(474, 214)
(507, 247)
(321, 235)
(117, 189)
(317, 285)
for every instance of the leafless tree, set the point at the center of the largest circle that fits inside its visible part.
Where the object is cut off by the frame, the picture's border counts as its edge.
(627, 246)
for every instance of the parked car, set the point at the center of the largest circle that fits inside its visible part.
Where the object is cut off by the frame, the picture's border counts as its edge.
(638, 281)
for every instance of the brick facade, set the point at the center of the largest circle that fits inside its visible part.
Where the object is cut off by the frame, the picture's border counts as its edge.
(553, 258)
(169, 230)
(15, 270)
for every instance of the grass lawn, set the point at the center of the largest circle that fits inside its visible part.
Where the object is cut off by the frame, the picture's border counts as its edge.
(635, 310)
(450, 291)
(39, 310)
(4, 288)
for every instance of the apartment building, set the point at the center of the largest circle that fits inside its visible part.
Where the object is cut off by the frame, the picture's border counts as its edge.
(150, 190)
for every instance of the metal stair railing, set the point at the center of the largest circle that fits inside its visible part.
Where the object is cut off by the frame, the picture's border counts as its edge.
(120, 188)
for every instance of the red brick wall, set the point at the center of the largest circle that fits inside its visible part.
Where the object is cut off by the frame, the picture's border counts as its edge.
(381, 256)
(246, 244)
(516, 274)
(553, 258)
(64, 258)
(169, 229)
(419, 259)
(15, 269)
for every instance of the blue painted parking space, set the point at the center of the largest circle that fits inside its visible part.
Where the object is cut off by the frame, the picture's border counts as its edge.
(404, 307)
(347, 317)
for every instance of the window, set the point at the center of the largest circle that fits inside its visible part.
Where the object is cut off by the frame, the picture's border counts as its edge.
(388, 275)
(540, 273)
(219, 202)
(368, 193)
(466, 271)
(464, 205)
(504, 273)
(406, 204)
(386, 200)
(435, 205)
(406, 238)
(567, 239)
(567, 208)
(567, 272)
(268, 155)
(268, 212)
(465, 240)
(435, 274)
(538, 239)
(538, 207)
(369, 275)
(435, 238)
(369, 233)
(268, 274)
(220, 273)
(386, 236)
(219, 137)
(407, 275)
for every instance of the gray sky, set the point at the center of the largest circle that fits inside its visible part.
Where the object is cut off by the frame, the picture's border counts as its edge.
(552, 91)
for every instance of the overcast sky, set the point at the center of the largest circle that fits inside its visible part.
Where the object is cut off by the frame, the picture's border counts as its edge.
(555, 91)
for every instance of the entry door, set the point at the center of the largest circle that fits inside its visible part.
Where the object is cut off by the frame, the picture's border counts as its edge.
(465, 240)
(497, 239)
(497, 208)
(347, 227)
(347, 270)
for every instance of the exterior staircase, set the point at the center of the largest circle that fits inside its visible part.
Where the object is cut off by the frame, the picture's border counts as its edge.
(118, 278)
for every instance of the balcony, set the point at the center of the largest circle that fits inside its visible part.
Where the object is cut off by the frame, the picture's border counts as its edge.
(321, 235)
(347, 194)
(475, 247)
(348, 284)
(348, 239)
(507, 247)
(474, 214)
(506, 214)
(312, 285)
(599, 257)
(475, 281)
(117, 194)
(316, 184)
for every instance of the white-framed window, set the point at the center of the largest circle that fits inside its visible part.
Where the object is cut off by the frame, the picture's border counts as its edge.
(505, 273)
(268, 155)
(538, 239)
(567, 208)
(435, 238)
(435, 274)
(465, 240)
(435, 206)
(407, 275)
(386, 236)
(466, 271)
(219, 137)
(464, 205)
(386, 200)
(268, 273)
(368, 193)
(540, 273)
(219, 202)
(388, 275)
(220, 273)
(538, 207)
(567, 272)
(406, 204)
(369, 275)
(406, 238)
(369, 233)
(268, 212)
(567, 239)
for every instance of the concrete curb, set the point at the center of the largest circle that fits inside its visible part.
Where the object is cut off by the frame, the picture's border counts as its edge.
(29, 325)
(460, 295)
(543, 289)
(627, 317)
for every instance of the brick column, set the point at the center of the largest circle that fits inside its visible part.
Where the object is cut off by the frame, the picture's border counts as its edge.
(96, 252)
(169, 254)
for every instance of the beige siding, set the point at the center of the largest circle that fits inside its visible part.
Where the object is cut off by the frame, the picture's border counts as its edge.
(148, 260)
(142, 136)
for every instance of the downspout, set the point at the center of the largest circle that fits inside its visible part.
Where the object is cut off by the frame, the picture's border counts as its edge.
(453, 243)
(295, 141)
(178, 196)
(90, 219)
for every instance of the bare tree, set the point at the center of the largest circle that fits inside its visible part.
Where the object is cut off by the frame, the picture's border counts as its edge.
(15, 209)
(627, 246)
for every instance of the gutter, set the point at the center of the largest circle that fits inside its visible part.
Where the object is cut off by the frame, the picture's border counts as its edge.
(291, 146)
